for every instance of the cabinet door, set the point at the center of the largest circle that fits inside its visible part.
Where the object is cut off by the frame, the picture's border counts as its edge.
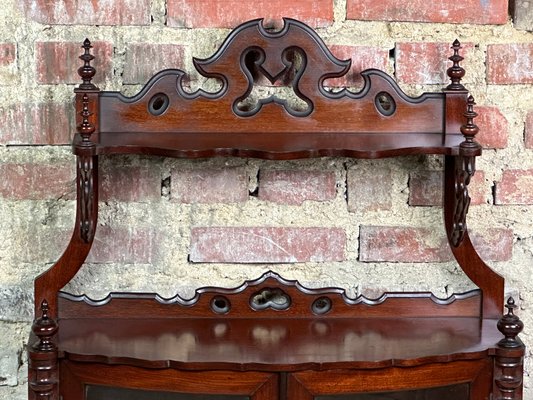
(461, 380)
(87, 381)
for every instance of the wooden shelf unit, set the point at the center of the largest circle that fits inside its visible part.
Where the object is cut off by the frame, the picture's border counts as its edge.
(272, 338)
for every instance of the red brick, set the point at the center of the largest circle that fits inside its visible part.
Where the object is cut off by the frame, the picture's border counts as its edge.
(528, 131)
(402, 244)
(123, 245)
(422, 245)
(510, 63)
(267, 245)
(515, 187)
(363, 57)
(130, 183)
(296, 186)
(493, 127)
(7, 54)
(58, 62)
(451, 11)
(161, 56)
(209, 185)
(425, 62)
(94, 12)
(364, 197)
(425, 188)
(229, 13)
(37, 181)
(41, 123)
(496, 244)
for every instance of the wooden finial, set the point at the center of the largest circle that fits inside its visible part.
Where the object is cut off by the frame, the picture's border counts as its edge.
(470, 129)
(510, 325)
(85, 129)
(44, 328)
(456, 72)
(87, 71)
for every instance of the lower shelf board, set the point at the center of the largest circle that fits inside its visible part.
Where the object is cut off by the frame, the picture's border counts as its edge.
(275, 344)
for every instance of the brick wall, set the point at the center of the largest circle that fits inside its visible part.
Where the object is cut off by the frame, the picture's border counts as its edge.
(324, 222)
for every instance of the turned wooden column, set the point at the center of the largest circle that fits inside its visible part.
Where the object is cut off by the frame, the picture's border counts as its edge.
(508, 363)
(42, 363)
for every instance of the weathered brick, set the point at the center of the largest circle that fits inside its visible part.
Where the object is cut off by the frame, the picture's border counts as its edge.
(267, 245)
(493, 127)
(123, 245)
(402, 244)
(296, 186)
(510, 63)
(450, 11)
(94, 12)
(209, 185)
(47, 243)
(363, 57)
(365, 197)
(161, 56)
(422, 245)
(229, 13)
(515, 187)
(528, 131)
(36, 123)
(522, 12)
(425, 62)
(112, 244)
(425, 188)
(37, 181)
(7, 54)
(130, 183)
(495, 244)
(58, 62)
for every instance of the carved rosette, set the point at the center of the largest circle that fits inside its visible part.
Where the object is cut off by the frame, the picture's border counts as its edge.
(43, 377)
(86, 197)
(509, 356)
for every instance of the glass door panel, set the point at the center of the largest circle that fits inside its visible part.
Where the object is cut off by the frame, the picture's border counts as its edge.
(95, 392)
(453, 392)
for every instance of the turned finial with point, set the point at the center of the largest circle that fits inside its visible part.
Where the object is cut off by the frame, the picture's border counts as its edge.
(87, 71)
(456, 72)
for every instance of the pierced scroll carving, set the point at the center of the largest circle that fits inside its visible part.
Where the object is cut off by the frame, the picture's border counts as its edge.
(43, 357)
(456, 72)
(270, 298)
(86, 197)
(509, 356)
(465, 169)
(295, 61)
(280, 57)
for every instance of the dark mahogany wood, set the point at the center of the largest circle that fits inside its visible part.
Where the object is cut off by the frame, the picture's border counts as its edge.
(272, 338)
(301, 302)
